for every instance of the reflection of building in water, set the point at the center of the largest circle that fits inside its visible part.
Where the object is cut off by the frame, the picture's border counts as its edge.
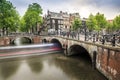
(35, 66)
(8, 69)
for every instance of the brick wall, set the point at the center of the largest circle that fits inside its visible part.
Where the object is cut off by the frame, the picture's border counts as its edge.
(36, 39)
(4, 41)
(108, 63)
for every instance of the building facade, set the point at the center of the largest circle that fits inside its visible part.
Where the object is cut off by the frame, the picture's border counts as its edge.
(61, 21)
(72, 17)
(54, 21)
(66, 24)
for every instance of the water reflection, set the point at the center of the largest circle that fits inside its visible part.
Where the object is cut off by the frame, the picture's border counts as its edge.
(8, 69)
(78, 69)
(48, 67)
(21, 41)
(17, 41)
(35, 66)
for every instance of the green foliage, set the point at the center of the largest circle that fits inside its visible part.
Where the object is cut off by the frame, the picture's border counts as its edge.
(96, 22)
(76, 24)
(22, 27)
(32, 16)
(9, 17)
(91, 22)
(101, 21)
(116, 23)
(110, 27)
(35, 8)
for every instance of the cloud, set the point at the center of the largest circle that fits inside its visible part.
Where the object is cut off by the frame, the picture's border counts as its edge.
(109, 3)
(21, 3)
(97, 3)
(110, 8)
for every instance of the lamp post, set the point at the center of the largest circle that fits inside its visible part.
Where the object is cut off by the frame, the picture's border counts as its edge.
(113, 40)
(85, 33)
(103, 40)
(94, 37)
(78, 33)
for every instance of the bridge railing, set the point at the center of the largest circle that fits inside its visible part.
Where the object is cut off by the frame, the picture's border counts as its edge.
(108, 39)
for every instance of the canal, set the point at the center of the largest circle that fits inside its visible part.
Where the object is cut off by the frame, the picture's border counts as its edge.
(47, 66)
(53, 66)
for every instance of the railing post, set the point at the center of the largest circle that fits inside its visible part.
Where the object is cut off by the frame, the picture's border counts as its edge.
(93, 37)
(103, 40)
(78, 35)
(113, 40)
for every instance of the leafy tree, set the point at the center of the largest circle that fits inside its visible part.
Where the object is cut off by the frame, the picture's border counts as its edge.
(91, 22)
(116, 23)
(101, 21)
(32, 17)
(35, 7)
(109, 27)
(76, 24)
(9, 17)
(22, 27)
(96, 22)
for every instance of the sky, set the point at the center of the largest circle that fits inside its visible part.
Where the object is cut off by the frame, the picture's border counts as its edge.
(110, 8)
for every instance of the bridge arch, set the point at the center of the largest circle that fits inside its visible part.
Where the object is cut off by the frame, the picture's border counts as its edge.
(44, 41)
(26, 40)
(57, 42)
(77, 49)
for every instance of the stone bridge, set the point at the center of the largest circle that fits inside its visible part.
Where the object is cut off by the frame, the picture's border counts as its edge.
(105, 58)
(7, 40)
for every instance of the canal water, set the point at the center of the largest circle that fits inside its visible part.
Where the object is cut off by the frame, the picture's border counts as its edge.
(48, 66)
(54, 66)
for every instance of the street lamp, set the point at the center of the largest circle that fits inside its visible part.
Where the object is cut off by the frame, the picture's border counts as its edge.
(93, 37)
(113, 40)
(85, 33)
(78, 33)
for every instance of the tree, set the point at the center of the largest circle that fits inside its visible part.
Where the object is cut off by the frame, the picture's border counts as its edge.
(96, 22)
(9, 17)
(91, 22)
(110, 27)
(101, 21)
(22, 27)
(76, 24)
(116, 23)
(32, 17)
